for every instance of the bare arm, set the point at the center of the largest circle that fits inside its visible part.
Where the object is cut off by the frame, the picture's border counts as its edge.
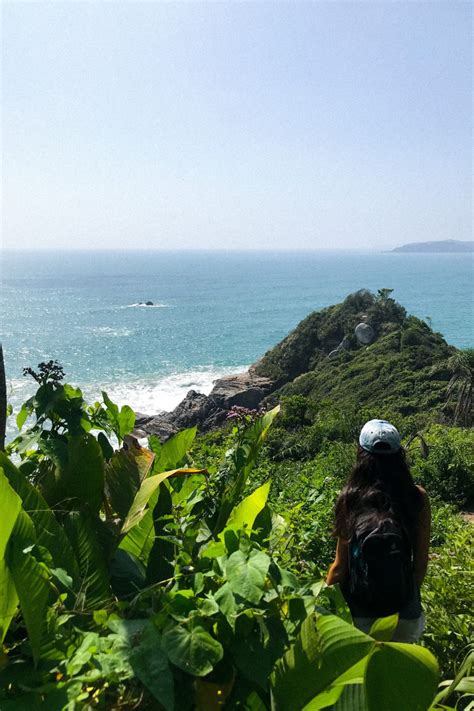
(422, 545)
(339, 570)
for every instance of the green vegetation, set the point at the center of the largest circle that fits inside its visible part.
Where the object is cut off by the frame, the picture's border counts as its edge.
(406, 369)
(188, 575)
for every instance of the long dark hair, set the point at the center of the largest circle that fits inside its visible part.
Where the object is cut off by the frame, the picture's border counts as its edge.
(379, 485)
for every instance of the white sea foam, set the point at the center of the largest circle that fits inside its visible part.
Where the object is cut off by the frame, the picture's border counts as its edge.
(146, 395)
(151, 396)
(109, 332)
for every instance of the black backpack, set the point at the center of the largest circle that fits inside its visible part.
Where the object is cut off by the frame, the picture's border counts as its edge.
(381, 578)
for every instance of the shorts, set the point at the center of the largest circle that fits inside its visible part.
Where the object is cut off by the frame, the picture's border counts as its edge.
(408, 631)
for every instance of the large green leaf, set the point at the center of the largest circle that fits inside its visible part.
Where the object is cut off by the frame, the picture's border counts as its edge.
(127, 574)
(401, 671)
(240, 462)
(8, 598)
(226, 601)
(139, 540)
(246, 575)
(124, 474)
(25, 410)
(150, 664)
(160, 562)
(353, 698)
(81, 530)
(252, 659)
(49, 533)
(147, 489)
(325, 648)
(346, 692)
(192, 649)
(81, 481)
(31, 579)
(383, 629)
(10, 506)
(245, 513)
(147, 657)
(172, 452)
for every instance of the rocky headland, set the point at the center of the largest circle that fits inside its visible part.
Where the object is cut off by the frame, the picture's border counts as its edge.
(444, 246)
(365, 350)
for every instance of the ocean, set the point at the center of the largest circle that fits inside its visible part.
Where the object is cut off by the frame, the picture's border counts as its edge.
(213, 312)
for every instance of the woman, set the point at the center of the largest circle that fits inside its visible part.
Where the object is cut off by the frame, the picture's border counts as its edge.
(383, 531)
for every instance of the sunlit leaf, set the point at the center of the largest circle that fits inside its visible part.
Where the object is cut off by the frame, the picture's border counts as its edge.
(147, 489)
(170, 454)
(325, 648)
(8, 598)
(245, 513)
(383, 629)
(401, 671)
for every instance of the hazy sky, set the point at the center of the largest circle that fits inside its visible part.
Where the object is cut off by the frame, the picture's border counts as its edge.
(236, 125)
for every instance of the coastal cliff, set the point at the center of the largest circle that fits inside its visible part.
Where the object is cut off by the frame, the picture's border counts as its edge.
(365, 352)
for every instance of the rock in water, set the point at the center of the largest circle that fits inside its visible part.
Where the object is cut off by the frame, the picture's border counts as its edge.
(364, 333)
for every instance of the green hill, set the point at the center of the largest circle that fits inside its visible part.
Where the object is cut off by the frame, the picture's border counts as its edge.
(404, 368)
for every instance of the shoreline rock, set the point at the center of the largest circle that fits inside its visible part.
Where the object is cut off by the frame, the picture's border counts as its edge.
(208, 411)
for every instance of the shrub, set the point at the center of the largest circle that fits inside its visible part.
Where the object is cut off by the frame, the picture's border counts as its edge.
(447, 596)
(448, 471)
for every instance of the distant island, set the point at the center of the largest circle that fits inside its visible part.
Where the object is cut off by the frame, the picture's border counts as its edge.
(444, 245)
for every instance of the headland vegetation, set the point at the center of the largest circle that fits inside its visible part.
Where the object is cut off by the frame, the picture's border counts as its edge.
(177, 561)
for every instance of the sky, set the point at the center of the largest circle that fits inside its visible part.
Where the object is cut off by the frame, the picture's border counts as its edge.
(236, 125)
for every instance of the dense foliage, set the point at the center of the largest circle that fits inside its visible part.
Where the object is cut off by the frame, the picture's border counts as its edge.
(188, 575)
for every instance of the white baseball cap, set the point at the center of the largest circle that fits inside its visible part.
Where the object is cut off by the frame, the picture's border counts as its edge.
(379, 437)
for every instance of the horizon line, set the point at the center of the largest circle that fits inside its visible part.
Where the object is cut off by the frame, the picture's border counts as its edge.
(193, 249)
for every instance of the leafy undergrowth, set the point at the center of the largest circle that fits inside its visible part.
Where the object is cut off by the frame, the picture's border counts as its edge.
(190, 574)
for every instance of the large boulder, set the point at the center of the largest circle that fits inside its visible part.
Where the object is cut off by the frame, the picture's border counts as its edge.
(364, 333)
(242, 390)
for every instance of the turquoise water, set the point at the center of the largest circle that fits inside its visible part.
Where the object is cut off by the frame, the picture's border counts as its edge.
(214, 312)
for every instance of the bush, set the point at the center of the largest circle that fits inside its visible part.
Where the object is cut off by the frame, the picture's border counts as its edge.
(304, 493)
(411, 337)
(296, 411)
(448, 471)
(447, 596)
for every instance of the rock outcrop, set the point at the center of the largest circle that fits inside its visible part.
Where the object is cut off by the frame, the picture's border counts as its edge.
(208, 411)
